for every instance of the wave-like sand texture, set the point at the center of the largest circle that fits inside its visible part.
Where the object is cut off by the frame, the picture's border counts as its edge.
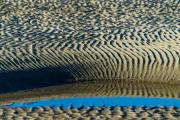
(133, 41)
(86, 113)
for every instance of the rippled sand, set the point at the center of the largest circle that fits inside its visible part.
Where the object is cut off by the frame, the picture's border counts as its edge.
(95, 45)
(88, 113)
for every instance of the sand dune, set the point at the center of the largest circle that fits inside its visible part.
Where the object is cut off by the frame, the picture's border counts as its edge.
(94, 40)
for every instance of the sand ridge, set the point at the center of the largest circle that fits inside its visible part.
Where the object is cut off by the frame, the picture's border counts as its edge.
(141, 45)
(94, 41)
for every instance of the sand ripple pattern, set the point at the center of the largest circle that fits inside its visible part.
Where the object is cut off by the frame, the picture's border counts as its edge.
(93, 40)
(87, 113)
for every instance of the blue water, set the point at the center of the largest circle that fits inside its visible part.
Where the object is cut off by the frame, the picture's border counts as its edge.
(77, 102)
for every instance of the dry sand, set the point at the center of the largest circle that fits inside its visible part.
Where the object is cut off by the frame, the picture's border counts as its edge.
(91, 113)
(129, 42)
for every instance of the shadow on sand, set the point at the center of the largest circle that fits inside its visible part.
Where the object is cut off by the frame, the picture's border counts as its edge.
(24, 80)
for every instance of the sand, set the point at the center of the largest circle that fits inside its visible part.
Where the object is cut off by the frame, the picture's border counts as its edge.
(52, 46)
(91, 113)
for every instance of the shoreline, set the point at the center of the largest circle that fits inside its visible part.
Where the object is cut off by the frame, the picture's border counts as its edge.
(78, 102)
(93, 89)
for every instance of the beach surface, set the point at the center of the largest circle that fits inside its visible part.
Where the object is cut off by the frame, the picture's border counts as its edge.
(91, 48)
(88, 113)
(71, 48)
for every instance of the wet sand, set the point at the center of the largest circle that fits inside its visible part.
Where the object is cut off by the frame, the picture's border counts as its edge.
(86, 89)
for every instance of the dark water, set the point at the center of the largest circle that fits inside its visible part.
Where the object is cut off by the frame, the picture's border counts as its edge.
(29, 79)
